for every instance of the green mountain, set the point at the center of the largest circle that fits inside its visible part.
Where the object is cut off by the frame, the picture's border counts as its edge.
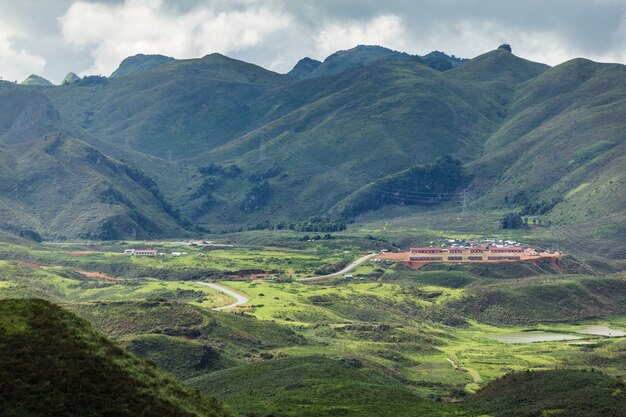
(26, 115)
(563, 142)
(140, 63)
(230, 144)
(54, 363)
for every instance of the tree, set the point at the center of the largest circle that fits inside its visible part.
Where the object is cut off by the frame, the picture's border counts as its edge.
(505, 46)
(512, 221)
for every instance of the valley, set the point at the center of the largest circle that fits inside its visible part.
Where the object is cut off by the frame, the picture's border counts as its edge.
(377, 234)
(433, 337)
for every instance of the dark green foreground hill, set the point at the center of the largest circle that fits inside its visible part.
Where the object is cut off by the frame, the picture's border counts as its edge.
(53, 363)
(560, 392)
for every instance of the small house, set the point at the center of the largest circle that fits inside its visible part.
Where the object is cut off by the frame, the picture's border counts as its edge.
(145, 252)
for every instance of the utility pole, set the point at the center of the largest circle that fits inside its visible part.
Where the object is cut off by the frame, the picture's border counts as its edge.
(464, 200)
(262, 146)
(555, 242)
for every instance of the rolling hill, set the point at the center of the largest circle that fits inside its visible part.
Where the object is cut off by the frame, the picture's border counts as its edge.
(541, 393)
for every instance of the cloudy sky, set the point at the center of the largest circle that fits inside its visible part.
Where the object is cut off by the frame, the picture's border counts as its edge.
(53, 37)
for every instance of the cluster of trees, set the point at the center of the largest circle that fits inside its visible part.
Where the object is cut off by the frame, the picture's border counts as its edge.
(91, 80)
(539, 208)
(257, 197)
(530, 207)
(306, 238)
(228, 171)
(315, 224)
(516, 221)
(31, 235)
(513, 221)
(423, 185)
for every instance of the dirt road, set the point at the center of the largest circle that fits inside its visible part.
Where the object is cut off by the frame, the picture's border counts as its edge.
(240, 299)
(348, 268)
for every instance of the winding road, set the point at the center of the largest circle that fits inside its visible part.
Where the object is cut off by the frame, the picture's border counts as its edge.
(348, 268)
(240, 299)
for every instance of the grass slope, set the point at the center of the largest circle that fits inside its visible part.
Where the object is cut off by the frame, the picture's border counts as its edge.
(62, 187)
(563, 140)
(54, 363)
(560, 392)
(314, 386)
(544, 299)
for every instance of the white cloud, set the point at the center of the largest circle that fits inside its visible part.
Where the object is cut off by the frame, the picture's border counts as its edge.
(16, 63)
(113, 32)
(384, 30)
(470, 38)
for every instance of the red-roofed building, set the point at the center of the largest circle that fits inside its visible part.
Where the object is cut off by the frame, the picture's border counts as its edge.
(426, 250)
(506, 249)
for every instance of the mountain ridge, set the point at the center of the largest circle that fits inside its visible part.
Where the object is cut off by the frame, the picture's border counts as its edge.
(374, 114)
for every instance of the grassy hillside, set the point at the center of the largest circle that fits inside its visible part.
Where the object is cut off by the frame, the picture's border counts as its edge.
(562, 392)
(499, 65)
(55, 364)
(543, 300)
(26, 114)
(563, 142)
(59, 187)
(178, 109)
(315, 386)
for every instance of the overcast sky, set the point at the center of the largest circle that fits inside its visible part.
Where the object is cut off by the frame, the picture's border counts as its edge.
(53, 37)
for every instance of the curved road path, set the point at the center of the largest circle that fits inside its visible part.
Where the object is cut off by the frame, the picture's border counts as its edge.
(240, 299)
(348, 268)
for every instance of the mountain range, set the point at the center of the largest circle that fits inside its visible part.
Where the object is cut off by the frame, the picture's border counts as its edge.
(164, 146)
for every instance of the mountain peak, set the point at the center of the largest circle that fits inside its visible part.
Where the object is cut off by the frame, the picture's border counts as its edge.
(441, 61)
(303, 68)
(498, 65)
(359, 56)
(36, 80)
(71, 79)
(140, 63)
